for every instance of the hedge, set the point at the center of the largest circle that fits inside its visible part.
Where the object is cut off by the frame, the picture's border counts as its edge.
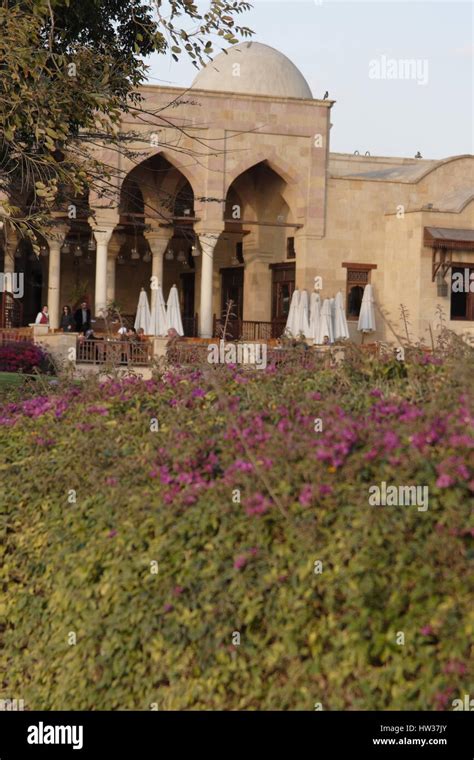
(196, 541)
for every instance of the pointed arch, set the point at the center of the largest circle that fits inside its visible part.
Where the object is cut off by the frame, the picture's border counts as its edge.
(291, 193)
(191, 171)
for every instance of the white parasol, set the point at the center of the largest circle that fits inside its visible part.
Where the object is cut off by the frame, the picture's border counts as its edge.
(366, 316)
(340, 322)
(158, 314)
(314, 314)
(173, 312)
(303, 314)
(325, 324)
(292, 321)
(143, 316)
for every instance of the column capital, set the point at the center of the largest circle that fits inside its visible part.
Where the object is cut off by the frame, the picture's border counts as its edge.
(208, 238)
(56, 235)
(103, 234)
(158, 238)
(206, 230)
(104, 217)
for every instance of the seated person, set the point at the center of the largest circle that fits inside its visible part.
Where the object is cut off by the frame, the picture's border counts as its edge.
(132, 334)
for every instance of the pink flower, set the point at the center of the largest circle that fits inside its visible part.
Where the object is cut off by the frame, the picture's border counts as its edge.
(426, 630)
(455, 666)
(306, 495)
(257, 505)
(391, 441)
(243, 466)
(444, 481)
(240, 562)
(325, 490)
(442, 698)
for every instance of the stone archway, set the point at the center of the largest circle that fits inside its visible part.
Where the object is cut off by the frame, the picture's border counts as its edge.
(264, 221)
(157, 208)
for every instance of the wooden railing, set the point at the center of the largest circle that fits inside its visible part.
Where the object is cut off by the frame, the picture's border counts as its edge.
(182, 354)
(250, 330)
(247, 329)
(21, 335)
(187, 353)
(190, 326)
(114, 352)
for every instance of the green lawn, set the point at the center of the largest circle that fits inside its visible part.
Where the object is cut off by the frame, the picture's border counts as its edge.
(10, 379)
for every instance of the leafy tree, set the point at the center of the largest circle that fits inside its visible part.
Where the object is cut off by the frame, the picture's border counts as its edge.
(69, 69)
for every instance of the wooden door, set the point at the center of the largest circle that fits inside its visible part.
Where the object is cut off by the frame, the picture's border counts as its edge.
(187, 290)
(283, 285)
(232, 289)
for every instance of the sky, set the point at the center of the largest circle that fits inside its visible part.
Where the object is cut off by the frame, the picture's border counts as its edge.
(357, 51)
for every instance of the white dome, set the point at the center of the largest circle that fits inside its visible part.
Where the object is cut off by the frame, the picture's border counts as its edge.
(262, 70)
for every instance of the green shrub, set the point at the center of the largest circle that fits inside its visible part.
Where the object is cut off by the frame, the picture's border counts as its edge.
(228, 566)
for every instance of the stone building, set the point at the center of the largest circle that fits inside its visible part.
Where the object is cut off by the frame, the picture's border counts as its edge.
(236, 195)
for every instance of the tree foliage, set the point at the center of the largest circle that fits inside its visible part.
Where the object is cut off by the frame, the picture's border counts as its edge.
(68, 70)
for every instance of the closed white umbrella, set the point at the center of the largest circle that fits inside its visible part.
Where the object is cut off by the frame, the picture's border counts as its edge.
(325, 324)
(143, 316)
(158, 314)
(314, 314)
(173, 312)
(292, 321)
(366, 316)
(340, 322)
(303, 314)
(332, 303)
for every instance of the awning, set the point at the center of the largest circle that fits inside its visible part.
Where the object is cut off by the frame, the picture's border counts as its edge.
(447, 237)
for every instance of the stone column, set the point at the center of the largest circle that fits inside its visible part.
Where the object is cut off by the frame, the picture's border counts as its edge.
(311, 262)
(113, 249)
(208, 241)
(55, 239)
(10, 245)
(102, 233)
(158, 241)
(111, 260)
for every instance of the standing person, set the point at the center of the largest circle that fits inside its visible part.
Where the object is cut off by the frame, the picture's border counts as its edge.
(42, 318)
(82, 318)
(67, 323)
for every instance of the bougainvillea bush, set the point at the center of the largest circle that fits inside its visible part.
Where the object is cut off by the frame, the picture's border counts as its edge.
(23, 356)
(204, 540)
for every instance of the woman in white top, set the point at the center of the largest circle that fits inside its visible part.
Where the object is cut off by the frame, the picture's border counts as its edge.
(42, 317)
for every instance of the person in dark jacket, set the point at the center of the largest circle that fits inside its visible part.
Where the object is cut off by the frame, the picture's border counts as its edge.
(82, 318)
(67, 323)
